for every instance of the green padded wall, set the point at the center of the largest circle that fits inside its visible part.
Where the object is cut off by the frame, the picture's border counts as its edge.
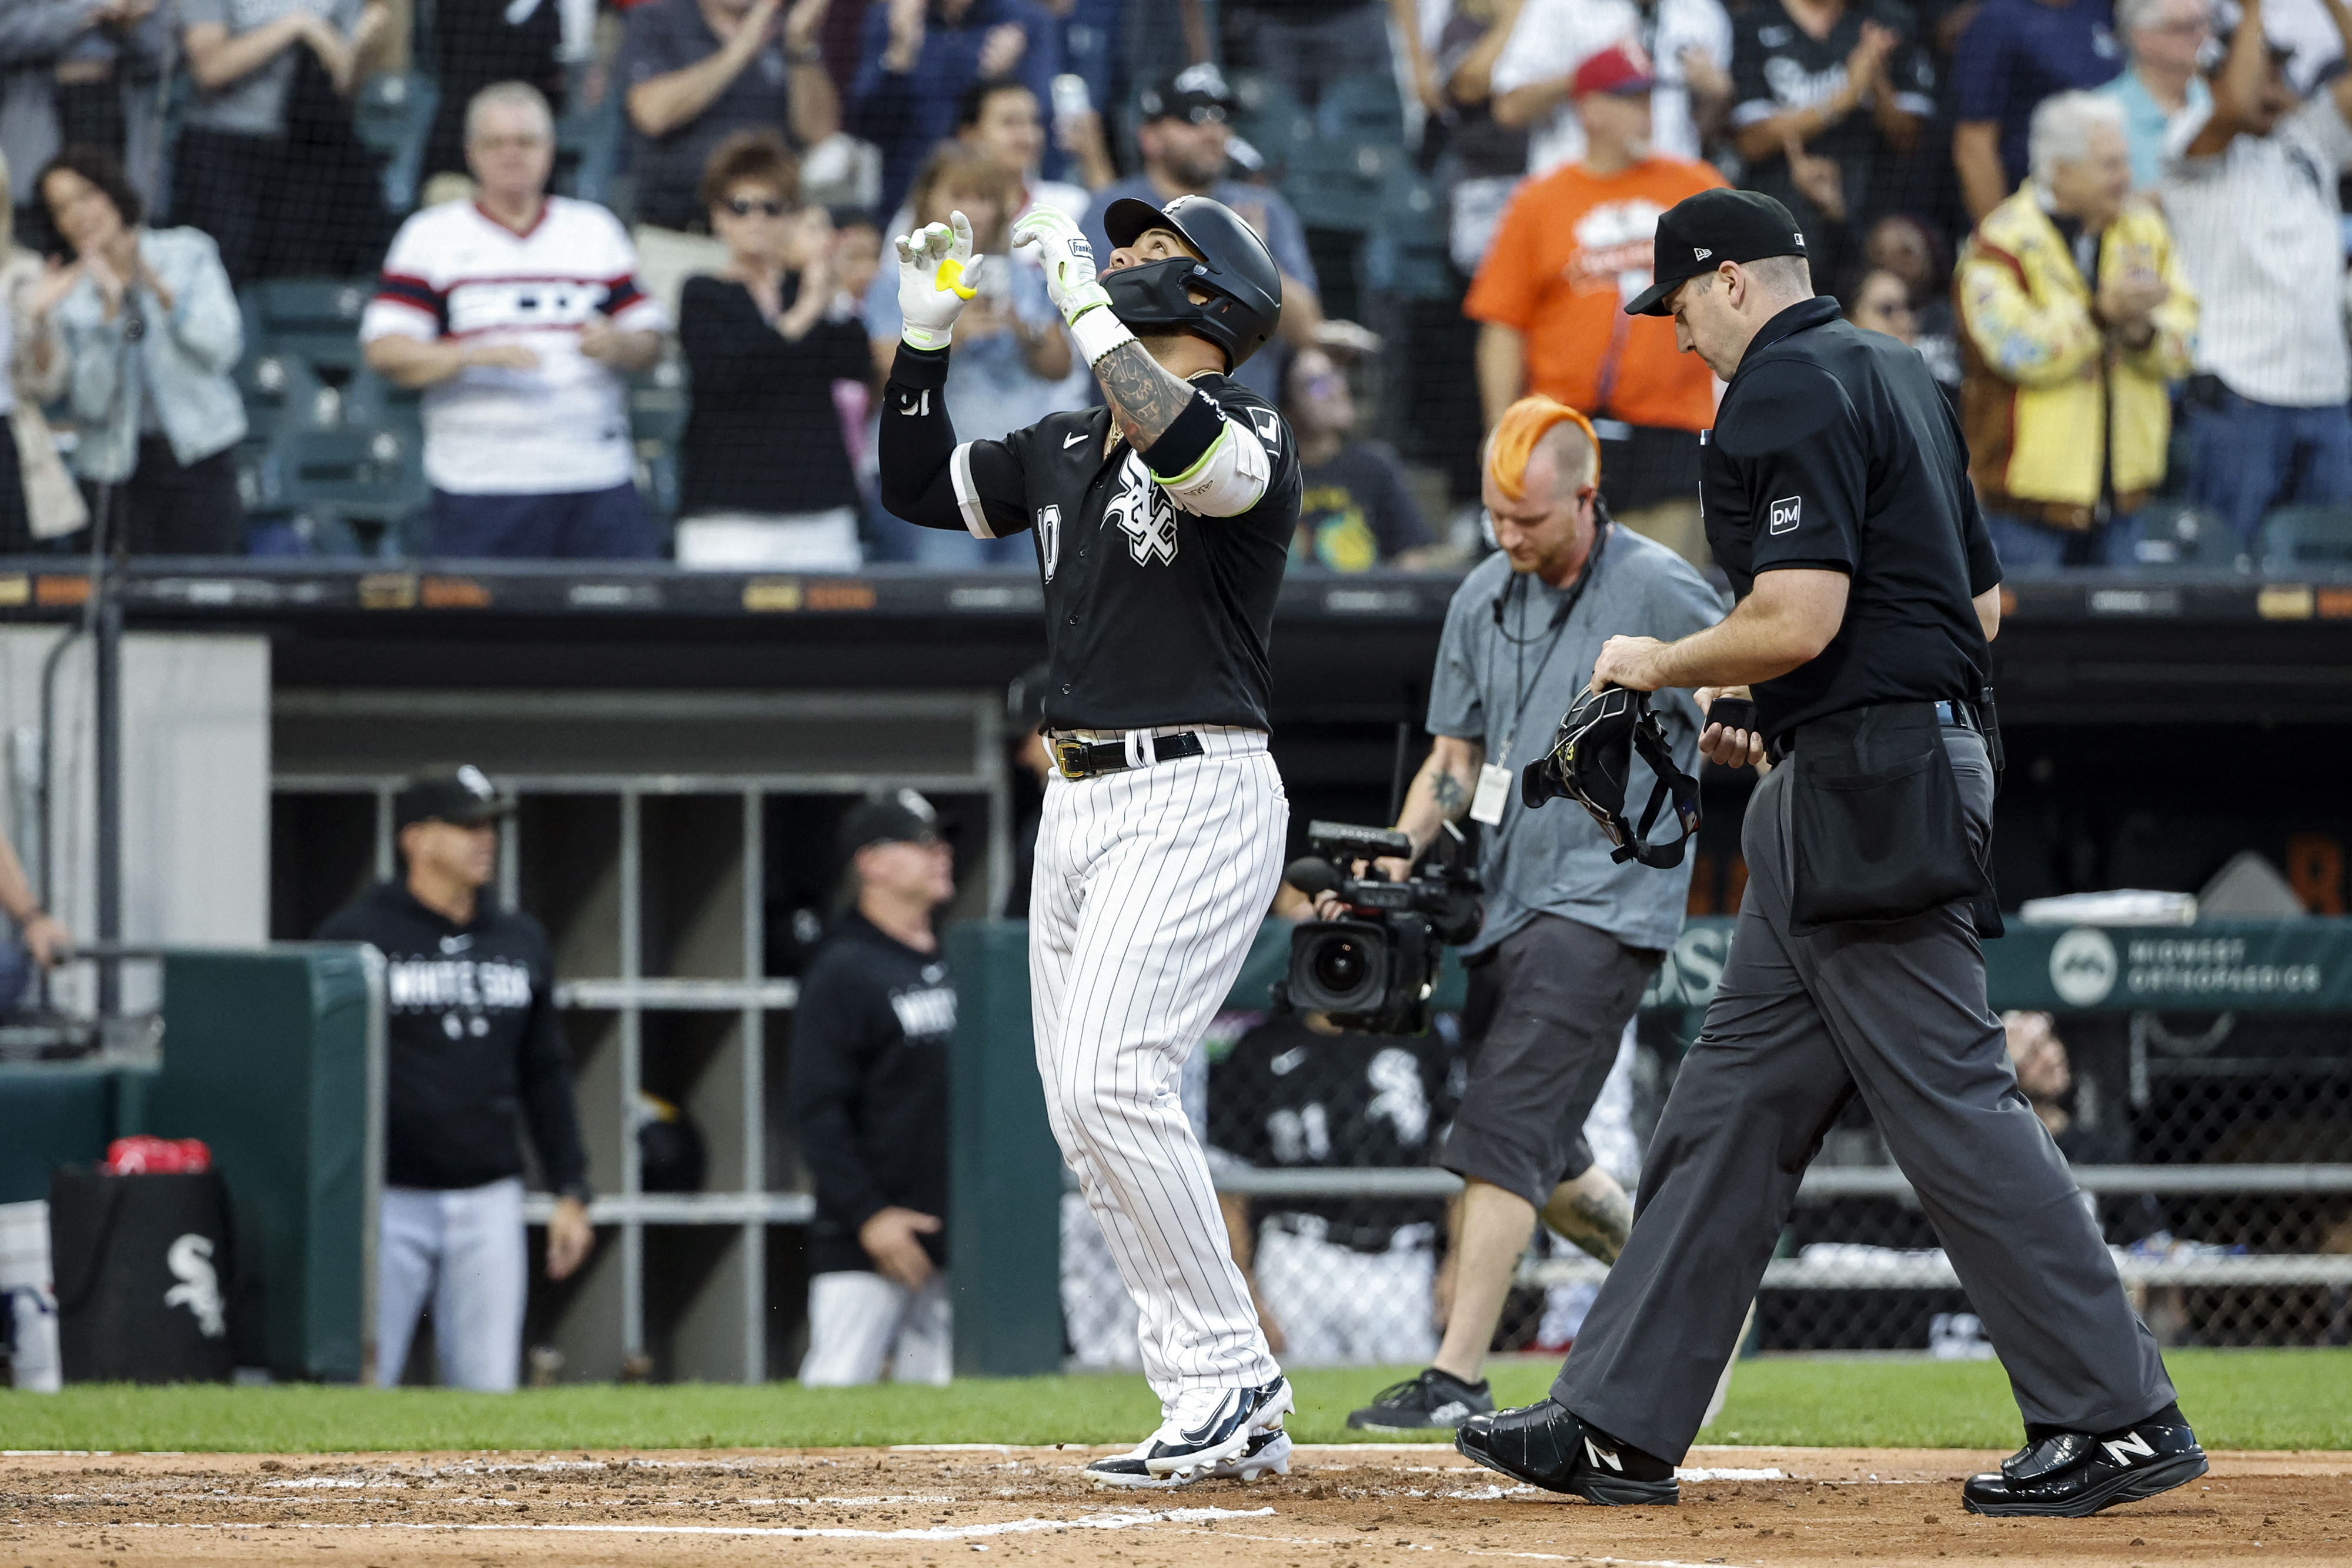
(60, 1115)
(1004, 1232)
(265, 1058)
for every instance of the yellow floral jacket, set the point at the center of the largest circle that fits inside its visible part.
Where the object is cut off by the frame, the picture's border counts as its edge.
(2046, 394)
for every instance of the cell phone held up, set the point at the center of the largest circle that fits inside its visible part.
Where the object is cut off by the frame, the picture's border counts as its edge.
(1732, 713)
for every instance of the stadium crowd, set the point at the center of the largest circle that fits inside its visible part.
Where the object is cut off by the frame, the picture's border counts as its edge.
(607, 279)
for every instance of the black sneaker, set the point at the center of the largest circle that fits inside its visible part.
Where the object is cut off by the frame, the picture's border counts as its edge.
(1434, 1400)
(1544, 1446)
(2066, 1475)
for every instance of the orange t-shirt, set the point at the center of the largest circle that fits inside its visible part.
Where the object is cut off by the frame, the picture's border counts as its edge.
(1571, 250)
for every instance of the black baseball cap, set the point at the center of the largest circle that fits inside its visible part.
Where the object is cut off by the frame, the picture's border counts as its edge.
(902, 817)
(464, 797)
(1197, 93)
(1699, 233)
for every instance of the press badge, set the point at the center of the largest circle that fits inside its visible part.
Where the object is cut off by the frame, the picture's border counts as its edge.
(1494, 789)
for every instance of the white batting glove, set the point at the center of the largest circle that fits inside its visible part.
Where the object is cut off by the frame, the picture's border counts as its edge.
(937, 273)
(1069, 263)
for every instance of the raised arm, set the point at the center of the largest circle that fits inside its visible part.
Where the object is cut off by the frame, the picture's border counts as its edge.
(1209, 464)
(2237, 85)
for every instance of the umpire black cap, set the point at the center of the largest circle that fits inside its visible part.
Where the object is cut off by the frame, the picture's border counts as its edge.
(464, 797)
(1242, 287)
(1700, 233)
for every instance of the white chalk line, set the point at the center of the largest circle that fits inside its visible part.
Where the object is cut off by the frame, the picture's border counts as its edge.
(942, 1532)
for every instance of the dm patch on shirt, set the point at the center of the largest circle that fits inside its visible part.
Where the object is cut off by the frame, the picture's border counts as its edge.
(1785, 514)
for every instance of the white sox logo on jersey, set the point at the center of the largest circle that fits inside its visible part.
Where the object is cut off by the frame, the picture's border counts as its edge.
(1143, 513)
(1049, 537)
(539, 302)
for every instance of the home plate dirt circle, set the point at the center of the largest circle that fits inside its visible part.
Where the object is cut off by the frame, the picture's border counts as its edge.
(1341, 1507)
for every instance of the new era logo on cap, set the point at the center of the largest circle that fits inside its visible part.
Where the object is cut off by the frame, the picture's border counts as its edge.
(1700, 233)
(1785, 514)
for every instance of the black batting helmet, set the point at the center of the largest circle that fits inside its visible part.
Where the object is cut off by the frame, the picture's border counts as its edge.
(1236, 272)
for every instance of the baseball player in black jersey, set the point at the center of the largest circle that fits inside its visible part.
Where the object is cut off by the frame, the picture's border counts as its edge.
(474, 1038)
(1162, 523)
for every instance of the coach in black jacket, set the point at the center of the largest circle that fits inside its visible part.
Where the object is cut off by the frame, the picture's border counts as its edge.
(474, 1040)
(869, 1090)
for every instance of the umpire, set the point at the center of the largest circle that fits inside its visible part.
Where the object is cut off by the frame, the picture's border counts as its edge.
(1836, 494)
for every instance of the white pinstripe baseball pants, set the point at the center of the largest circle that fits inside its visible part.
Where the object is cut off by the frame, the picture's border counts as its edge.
(1149, 886)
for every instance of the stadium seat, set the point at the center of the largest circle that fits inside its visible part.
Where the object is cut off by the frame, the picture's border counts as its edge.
(372, 403)
(1269, 119)
(1362, 110)
(657, 404)
(313, 319)
(361, 475)
(282, 391)
(2294, 538)
(1405, 254)
(1337, 186)
(386, 112)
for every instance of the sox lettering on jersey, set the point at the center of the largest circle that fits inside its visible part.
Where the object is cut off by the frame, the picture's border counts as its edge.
(1143, 513)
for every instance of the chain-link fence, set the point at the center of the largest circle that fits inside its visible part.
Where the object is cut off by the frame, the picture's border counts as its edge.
(2216, 1152)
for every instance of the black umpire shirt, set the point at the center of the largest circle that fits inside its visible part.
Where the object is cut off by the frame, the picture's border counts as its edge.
(869, 1087)
(474, 1038)
(1154, 615)
(1833, 450)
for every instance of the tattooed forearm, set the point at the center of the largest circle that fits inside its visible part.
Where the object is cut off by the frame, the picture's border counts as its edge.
(1143, 398)
(1593, 1212)
(1452, 796)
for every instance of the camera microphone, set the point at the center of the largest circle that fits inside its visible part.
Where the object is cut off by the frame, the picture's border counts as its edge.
(1312, 876)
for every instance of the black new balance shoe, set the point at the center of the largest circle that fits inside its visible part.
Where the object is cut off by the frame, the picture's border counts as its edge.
(1544, 1446)
(1433, 1399)
(2066, 1475)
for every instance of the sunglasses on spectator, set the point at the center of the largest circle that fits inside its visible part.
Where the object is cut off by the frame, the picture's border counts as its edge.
(766, 206)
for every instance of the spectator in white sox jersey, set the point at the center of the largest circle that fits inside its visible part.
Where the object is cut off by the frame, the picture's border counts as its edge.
(519, 312)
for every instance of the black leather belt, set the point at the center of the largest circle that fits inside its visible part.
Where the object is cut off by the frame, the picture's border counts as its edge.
(1083, 759)
(1950, 715)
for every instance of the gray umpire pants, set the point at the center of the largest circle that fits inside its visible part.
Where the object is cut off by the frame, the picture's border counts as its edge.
(1800, 1025)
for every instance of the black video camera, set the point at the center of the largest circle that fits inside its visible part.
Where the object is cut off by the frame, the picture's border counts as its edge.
(1374, 969)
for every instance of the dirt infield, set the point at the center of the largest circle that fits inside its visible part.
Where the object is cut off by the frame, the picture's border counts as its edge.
(1340, 1508)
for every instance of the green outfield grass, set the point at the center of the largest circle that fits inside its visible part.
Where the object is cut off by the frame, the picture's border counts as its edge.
(2238, 1399)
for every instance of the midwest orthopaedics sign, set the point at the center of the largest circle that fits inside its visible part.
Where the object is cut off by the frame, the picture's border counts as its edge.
(2296, 964)
(2158, 966)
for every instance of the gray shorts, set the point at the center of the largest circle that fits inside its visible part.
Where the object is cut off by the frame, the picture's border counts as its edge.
(1546, 1011)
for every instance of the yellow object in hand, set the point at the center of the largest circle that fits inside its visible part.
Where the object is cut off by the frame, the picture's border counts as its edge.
(951, 279)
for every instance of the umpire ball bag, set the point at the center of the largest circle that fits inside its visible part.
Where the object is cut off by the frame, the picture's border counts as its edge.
(141, 1264)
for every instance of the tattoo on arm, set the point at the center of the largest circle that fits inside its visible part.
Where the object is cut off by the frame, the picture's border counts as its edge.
(1144, 398)
(1452, 798)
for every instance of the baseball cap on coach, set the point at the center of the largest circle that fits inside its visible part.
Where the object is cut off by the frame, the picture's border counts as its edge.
(464, 797)
(901, 818)
(1620, 69)
(1197, 93)
(1699, 233)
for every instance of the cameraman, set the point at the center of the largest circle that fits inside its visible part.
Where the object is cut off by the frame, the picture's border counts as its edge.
(1572, 937)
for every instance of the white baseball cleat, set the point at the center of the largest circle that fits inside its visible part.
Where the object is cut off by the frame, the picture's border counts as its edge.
(1223, 1434)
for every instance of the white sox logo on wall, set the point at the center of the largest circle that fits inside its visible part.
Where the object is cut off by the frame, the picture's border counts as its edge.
(1143, 513)
(1049, 537)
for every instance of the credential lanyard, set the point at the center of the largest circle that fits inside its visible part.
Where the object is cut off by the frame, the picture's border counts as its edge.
(1526, 688)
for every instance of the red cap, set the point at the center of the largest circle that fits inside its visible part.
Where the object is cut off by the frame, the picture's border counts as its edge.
(1620, 68)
